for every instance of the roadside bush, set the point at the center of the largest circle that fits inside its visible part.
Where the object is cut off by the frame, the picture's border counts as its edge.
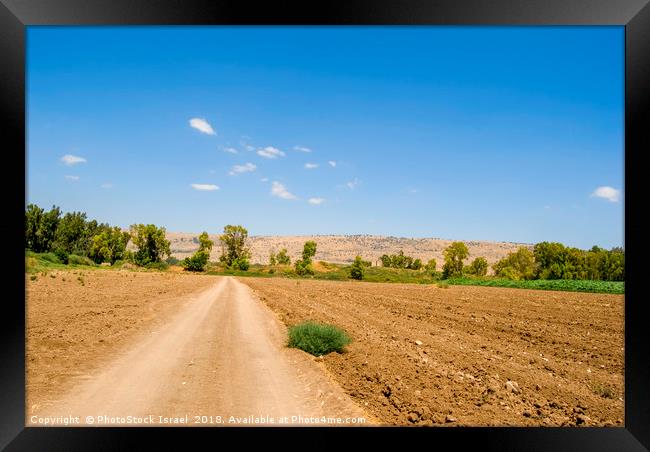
(197, 262)
(318, 339)
(79, 260)
(356, 269)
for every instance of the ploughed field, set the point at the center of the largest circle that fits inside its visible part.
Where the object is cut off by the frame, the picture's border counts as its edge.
(466, 355)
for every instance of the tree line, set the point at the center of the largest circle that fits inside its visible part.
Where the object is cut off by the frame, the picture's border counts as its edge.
(72, 236)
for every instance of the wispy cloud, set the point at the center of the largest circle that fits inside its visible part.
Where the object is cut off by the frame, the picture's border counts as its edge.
(332, 163)
(609, 193)
(279, 190)
(231, 150)
(301, 149)
(246, 168)
(270, 152)
(72, 178)
(316, 201)
(70, 159)
(205, 187)
(106, 185)
(264, 179)
(202, 126)
(353, 184)
(311, 165)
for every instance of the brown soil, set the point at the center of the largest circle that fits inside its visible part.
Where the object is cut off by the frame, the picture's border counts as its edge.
(159, 347)
(73, 327)
(445, 356)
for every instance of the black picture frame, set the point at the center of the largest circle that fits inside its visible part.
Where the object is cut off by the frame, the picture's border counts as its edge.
(634, 15)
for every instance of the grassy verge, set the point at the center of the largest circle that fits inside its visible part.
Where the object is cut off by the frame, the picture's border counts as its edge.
(46, 262)
(317, 338)
(614, 287)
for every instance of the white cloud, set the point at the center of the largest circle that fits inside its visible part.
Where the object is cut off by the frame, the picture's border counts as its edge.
(277, 189)
(205, 187)
(608, 193)
(547, 207)
(311, 165)
(70, 159)
(353, 184)
(106, 185)
(72, 178)
(264, 179)
(332, 163)
(315, 201)
(202, 126)
(238, 169)
(270, 152)
(413, 190)
(301, 149)
(231, 150)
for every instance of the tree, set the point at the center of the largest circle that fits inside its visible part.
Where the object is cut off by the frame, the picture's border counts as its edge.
(199, 260)
(282, 257)
(478, 267)
(516, 265)
(234, 253)
(416, 264)
(272, 260)
(150, 242)
(40, 228)
(431, 266)
(303, 266)
(385, 260)
(109, 246)
(357, 268)
(454, 256)
(71, 235)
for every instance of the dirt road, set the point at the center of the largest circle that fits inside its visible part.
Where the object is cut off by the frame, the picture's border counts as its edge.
(220, 360)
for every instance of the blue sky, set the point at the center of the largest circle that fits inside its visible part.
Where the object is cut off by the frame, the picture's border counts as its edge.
(471, 133)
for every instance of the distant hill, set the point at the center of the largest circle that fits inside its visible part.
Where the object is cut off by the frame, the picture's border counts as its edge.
(343, 248)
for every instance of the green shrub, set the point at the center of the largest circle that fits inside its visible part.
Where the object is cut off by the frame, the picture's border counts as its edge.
(197, 262)
(171, 260)
(303, 268)
(79, 260)
(318, 338)
(62, 255)
(157, 266)
(356, 269)
(50, 257)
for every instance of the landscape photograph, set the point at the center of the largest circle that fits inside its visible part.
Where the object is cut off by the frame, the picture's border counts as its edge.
(327, 226)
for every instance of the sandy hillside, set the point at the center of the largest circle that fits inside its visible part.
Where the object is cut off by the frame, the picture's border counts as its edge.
(343, 248)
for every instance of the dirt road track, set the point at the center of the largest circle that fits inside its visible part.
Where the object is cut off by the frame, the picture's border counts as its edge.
(222, 355)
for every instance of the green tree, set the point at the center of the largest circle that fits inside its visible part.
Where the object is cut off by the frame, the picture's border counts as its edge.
(199, 260)
(431, 266)
(416, 264)
(71, 235)
(478, 267)
(152, 246)
(357, 268)
(272, 260)
(283, 258)
(385, 260)
(40, 228)
(454, 256)
(516, 265)
(109, 246)
(303, 266)
(234, 252)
